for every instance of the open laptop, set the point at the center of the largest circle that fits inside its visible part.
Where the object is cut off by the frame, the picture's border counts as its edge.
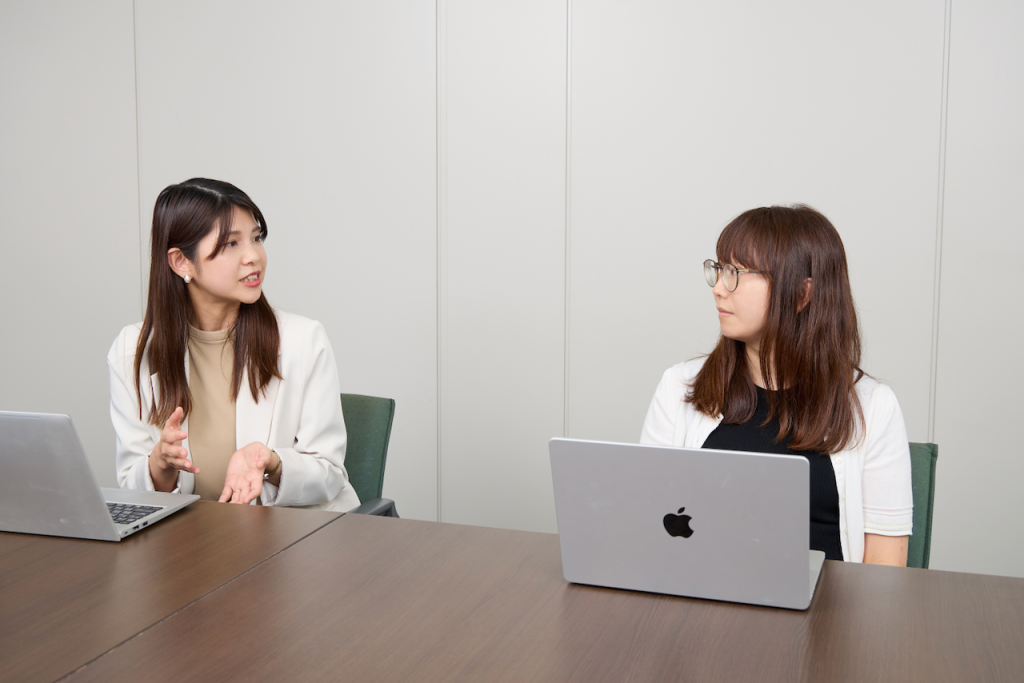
(721, 525)
(47, 487)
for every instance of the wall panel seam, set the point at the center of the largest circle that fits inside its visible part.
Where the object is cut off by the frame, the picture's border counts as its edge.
(939, 221)
(138, 159)
(568, 211)
(441, 93)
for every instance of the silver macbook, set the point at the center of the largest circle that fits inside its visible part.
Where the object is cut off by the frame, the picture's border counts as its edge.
(721, 525)
(47, 487)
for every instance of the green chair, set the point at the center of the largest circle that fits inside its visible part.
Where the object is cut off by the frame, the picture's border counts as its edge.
(368, 422)
(922, 475)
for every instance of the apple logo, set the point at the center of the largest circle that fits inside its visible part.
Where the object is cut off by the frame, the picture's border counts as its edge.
(678, 525)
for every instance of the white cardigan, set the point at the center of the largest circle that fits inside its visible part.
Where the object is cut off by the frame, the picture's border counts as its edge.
(873, 475)
(299, 418)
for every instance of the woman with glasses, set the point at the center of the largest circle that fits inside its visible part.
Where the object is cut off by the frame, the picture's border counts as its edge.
(785, 377)
(216, 392)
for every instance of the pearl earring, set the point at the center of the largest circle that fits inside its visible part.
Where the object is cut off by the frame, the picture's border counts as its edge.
(188, 279)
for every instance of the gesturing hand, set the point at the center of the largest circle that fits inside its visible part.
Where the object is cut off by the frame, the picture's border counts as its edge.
(244, 480)
(168, 456)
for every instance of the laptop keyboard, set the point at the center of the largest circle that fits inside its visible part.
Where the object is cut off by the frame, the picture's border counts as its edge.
(126, 514)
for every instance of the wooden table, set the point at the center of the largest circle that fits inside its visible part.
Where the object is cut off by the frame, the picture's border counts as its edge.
(64, 602)
(368, 599)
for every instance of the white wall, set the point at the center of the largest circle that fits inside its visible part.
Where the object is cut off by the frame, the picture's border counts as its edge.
(980, 374)
(504, 258)
(69, 192)
(499, 210)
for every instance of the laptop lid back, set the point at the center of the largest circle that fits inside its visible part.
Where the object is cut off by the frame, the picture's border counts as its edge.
(701, 523)
(46, 484)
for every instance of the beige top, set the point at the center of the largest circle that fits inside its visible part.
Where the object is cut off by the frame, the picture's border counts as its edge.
(211, 424)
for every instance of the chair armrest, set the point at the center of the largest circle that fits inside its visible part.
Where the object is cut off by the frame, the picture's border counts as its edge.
(382, 507)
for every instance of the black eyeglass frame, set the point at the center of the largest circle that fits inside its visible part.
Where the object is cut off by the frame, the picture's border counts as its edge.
(713, 268)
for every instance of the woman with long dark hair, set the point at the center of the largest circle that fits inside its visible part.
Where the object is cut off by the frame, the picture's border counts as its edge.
(785, 377)
(215, 392)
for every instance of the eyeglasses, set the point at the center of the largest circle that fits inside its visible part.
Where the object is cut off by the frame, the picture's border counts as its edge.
(730, 274)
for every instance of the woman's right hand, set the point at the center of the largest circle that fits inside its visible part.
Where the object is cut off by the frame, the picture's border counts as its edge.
(168, 456)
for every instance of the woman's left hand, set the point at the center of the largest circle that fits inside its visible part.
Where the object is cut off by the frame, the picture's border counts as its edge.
(244, 480)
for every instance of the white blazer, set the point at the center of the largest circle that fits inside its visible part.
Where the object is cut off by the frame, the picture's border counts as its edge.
(299, 417)
(872, 474)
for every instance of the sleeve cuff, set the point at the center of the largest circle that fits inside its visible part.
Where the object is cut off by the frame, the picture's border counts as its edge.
(889, 522)
(272, 494)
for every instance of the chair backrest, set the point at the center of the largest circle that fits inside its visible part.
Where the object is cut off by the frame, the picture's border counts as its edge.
(922, 473)
(368, 423)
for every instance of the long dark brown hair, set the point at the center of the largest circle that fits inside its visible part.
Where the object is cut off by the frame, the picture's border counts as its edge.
(184, 214)
(809, 357)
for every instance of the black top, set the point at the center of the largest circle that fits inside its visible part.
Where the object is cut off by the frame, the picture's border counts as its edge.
(751, 436)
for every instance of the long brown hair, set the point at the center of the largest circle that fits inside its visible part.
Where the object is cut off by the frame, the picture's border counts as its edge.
(184, 214)
(810, 357)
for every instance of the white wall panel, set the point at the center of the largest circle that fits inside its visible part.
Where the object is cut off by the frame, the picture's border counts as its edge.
(686, 114)
(69, 192)
(503, 242)
(324, 113)
(980, 374)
